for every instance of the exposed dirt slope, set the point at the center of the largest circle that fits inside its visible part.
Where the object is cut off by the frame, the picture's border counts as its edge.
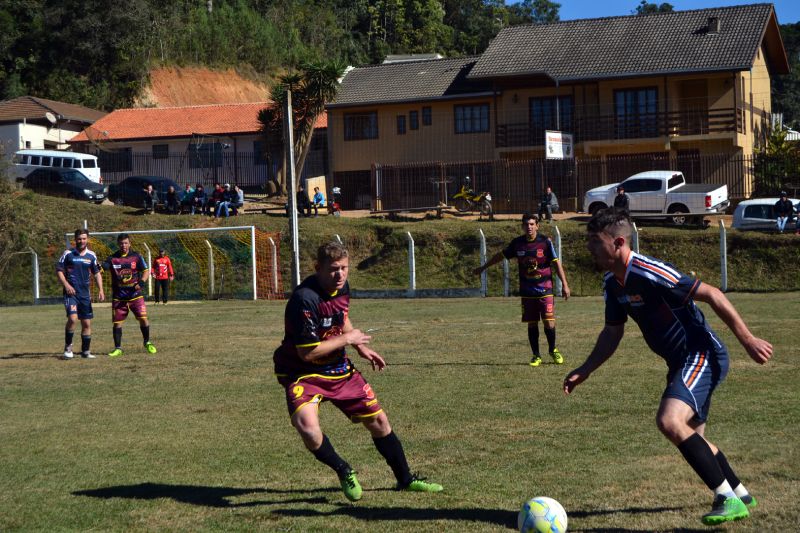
(182, 86)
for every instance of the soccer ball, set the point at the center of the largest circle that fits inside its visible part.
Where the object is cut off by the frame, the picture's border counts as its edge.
(542, 515)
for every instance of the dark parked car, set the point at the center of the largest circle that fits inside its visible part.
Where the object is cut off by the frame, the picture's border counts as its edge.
(130, 191)
(65, 182)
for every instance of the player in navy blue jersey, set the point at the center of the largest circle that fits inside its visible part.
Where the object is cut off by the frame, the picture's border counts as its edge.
(660, 300)
(537, 259)
(313, 367)
(74, 270)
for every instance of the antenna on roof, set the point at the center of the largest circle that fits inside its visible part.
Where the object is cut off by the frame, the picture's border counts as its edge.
(51, 118)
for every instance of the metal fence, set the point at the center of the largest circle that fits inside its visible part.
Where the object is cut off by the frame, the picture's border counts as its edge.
(517, 186)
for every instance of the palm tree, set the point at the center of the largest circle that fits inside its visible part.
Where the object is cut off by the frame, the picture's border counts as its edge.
(312, 87)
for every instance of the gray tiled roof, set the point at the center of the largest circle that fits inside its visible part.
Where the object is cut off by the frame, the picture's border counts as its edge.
(628, 46)
(407, 81)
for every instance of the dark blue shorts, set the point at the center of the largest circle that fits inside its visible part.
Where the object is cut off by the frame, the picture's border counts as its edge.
(694, 379)
(78, 305)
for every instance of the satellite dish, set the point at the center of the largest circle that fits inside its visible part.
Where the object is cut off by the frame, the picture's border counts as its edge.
(51, 118)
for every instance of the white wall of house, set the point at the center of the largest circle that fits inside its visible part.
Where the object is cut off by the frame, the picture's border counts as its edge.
(20, 136)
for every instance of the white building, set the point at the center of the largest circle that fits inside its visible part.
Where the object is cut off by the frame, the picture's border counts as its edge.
(29, 122)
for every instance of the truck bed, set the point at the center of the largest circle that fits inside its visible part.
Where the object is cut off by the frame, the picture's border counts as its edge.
(697, 188)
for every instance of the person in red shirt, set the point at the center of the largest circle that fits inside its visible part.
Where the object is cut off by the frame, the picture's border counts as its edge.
(162, 267)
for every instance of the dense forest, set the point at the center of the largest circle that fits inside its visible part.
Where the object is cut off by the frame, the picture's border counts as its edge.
(98, 53)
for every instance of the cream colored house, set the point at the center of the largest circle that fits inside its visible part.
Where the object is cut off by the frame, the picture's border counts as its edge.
(689, 86)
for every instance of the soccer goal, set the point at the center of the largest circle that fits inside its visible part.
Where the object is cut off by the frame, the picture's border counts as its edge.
(239, 262)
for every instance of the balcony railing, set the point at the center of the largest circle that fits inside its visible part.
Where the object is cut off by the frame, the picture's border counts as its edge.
(641, 126)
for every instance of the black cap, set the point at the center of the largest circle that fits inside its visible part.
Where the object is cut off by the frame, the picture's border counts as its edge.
(783, 193)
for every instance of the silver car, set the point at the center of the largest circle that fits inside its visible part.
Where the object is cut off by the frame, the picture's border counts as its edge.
(759, 214)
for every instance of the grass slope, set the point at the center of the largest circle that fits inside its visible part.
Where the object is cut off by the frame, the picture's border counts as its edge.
(446, 250)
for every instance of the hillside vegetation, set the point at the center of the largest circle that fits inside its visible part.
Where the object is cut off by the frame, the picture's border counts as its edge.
(446, 250)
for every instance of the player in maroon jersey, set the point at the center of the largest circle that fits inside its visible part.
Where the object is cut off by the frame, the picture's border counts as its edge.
(536, 259)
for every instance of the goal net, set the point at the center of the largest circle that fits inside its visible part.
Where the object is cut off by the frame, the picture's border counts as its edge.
(209, 263)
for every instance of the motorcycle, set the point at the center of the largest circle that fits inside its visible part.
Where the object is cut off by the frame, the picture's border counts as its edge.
(467, 200)
(334, 205)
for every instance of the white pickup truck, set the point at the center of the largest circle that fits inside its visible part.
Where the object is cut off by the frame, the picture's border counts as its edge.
(662, 194)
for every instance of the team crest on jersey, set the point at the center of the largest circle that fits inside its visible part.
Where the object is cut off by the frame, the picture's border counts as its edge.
(539, 253)
(327, 322)
(635, 300)
(368, 391)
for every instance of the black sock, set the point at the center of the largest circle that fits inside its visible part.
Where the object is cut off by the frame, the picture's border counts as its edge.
(117, 337)
(392, 450)
(327, 455)
(68, 337)
(86, 340)
(550, 333)
(730, 475)
(698, 454)
(533, 338)
(145, 333)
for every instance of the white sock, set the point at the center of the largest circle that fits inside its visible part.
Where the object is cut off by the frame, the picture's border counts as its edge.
(740, 491)
(724, 489)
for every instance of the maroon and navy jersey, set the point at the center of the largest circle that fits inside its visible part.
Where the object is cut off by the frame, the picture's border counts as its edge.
(535, 260)
(126, 273)
(78, 269)
(312, 316)
(659, 299)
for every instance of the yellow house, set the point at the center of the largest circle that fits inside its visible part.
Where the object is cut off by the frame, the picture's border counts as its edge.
(689, 86)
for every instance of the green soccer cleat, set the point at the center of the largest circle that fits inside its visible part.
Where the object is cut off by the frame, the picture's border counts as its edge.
(350, 486)
(749, 500)
(116, 352)
(557, 357)
(151, 348)
(419, 484)
(535, 361)
(725, 509)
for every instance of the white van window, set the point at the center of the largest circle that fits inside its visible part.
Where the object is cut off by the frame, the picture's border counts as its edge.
(67, 163)
(46, 160)
(56, 161)
(76, 163)
(36, 160)
(88, 163)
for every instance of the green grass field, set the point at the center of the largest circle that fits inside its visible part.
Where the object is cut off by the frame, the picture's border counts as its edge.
(197, 437)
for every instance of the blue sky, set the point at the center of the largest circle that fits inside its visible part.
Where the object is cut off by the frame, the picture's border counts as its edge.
(787, 10)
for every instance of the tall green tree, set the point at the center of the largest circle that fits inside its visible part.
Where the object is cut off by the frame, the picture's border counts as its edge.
(786, 89)
(312, 86)
(646, 8)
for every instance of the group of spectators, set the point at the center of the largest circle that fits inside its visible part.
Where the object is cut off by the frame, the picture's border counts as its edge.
(304, 205)
(223, 201)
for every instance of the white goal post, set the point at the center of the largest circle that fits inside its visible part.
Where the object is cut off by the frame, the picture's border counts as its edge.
(212, 255)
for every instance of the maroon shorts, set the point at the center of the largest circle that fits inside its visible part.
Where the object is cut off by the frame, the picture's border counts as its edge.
(538, 306)
(119, 309)
(351, 394)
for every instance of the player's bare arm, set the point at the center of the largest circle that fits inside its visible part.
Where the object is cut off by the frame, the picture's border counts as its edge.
(604, 348)
(377, 362)
(758, 349)
(496, 258)
(98, 278)
(145, 275)
(63, 280)
(565, 292)
(328, 346)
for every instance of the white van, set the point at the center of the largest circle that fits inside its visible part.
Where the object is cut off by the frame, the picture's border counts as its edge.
(26, 161)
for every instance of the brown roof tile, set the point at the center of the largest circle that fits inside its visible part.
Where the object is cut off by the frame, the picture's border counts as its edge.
(34, 108)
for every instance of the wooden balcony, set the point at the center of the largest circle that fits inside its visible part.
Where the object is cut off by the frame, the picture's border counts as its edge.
(614, 127)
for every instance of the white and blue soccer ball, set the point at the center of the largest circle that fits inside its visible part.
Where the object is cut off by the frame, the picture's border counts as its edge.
(542, 515)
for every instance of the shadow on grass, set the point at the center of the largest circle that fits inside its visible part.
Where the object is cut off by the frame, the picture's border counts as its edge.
(631, 510)
(498, 517)
(199, 495)
(31, 355)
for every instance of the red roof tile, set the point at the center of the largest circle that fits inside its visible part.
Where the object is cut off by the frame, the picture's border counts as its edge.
(176, 122)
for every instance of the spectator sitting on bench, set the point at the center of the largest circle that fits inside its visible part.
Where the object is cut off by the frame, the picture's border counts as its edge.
(150, 199)
(171, 202)
(303, 203)
(199, 200)
(187, 198)
(318, 200)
